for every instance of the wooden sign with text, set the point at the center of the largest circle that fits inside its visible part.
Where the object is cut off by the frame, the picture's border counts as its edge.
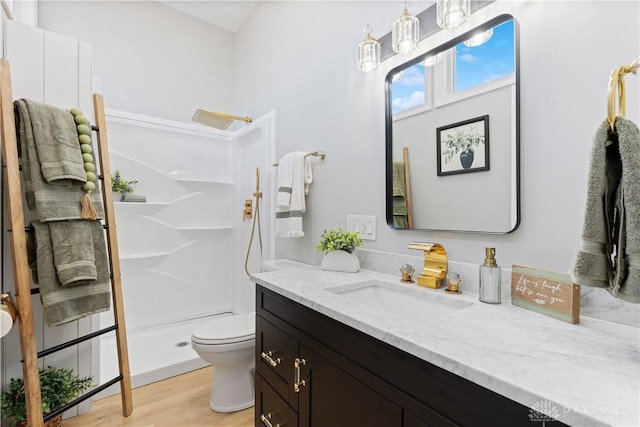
(545, 292)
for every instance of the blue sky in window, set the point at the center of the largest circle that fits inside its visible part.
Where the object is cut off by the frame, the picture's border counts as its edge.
(490, 61)
(408, 90)
(474, 66)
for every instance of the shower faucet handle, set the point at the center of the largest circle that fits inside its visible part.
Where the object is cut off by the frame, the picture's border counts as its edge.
(247, 212)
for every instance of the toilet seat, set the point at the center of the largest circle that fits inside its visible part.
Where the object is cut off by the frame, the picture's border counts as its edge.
(226, 330)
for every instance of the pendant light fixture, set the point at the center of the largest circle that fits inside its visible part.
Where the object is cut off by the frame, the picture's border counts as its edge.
(479, 39)
(397, 76)
(452, 13)
(368, 52)
(432, 60)
(404, 33)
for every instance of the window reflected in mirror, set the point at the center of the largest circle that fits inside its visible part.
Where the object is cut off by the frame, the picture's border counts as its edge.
(409, 87)
(441, 109)
(485, 60)
(481, 62)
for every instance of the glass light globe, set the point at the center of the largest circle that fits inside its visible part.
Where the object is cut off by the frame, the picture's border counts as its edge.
(452, 13)
(368, 52)
(432, 60)
(479, 39)
(405, 31)
(397, 76)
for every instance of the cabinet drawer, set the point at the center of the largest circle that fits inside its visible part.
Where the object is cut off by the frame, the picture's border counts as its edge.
(271, 409)
(276, 352)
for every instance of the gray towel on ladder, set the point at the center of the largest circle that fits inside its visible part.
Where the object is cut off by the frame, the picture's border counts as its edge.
(400, 211)
(54, 131)
(73, 251)
(64, 304)
(53, 200)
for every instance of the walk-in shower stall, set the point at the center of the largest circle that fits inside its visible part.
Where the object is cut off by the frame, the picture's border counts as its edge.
(183, 250)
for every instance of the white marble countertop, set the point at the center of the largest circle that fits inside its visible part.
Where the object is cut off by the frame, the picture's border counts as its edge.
(584, 375)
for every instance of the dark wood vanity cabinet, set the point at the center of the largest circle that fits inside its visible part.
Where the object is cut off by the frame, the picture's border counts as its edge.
(296, 386)
(313, 371)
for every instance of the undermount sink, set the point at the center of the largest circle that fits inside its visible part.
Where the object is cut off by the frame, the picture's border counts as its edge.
(402, 300)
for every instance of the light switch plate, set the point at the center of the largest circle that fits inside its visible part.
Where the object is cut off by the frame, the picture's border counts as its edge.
(364, 224)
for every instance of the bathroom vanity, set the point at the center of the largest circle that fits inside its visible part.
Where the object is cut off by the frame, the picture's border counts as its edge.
(326, 357)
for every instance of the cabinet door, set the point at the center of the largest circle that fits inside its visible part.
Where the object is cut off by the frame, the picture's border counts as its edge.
(276, 352)
(271, 409)
(411, 421)
(332, 397)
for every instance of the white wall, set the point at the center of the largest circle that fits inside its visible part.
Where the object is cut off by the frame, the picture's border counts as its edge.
(488, 193)
(299, 58)
(151, 59)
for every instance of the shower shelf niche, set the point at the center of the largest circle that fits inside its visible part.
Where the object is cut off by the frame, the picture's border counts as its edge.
(182, 251)
(186, 178)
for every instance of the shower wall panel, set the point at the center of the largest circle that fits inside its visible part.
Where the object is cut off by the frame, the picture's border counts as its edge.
(174, 248)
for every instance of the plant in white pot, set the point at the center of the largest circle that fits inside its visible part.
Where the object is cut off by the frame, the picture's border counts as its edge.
(338, 246)
(120, 186)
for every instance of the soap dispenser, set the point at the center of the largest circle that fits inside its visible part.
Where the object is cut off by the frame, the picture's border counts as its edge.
(490, 278)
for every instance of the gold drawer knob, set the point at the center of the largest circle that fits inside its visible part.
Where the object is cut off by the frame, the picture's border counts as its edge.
(266, 420)
(298, 382)
(268, 356)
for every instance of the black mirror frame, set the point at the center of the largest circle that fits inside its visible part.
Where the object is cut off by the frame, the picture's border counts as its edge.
(389, 122)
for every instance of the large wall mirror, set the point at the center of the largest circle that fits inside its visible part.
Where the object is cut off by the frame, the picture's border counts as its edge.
(452, 135)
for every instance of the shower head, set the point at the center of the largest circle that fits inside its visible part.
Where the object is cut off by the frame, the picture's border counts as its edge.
(216, 120)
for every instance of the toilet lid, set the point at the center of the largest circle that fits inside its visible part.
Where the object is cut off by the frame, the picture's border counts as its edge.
(227, 329)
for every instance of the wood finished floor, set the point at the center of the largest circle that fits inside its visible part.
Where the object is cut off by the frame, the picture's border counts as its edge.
(181, 401)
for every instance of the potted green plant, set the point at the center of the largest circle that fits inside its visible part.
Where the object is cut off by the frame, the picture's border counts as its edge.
(120, 187)
(338, 246)
(58, 386)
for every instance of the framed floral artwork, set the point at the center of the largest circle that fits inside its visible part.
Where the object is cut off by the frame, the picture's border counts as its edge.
(463, 147)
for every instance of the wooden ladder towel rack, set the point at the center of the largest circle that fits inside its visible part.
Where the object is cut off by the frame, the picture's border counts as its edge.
(21, 274)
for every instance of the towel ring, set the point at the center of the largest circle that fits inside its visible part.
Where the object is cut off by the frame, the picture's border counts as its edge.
(616, 83)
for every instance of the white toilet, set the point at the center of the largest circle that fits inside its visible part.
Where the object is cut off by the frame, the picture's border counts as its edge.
(228, 343)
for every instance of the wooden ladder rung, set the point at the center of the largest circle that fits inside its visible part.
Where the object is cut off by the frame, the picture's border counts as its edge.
(75, 341)
(82, 398)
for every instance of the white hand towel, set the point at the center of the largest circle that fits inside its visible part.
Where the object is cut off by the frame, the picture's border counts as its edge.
(289, 216)
(308, 175)
(285, 177)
